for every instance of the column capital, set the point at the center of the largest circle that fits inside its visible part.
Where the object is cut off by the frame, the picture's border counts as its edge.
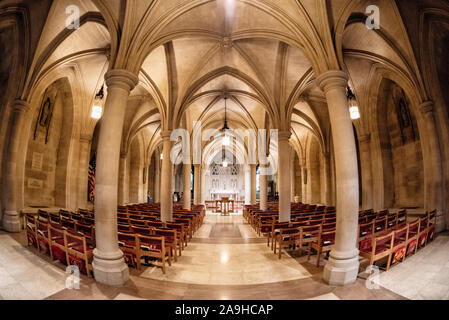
(426, 107)
(284, 135)
(332, 79)
(85, 138)
(165, 135)
(365, 138)
(21, 106)
(123, 79)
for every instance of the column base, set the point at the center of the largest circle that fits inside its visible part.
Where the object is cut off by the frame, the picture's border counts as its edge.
(112, 270)
(11, 221)
(341, 271)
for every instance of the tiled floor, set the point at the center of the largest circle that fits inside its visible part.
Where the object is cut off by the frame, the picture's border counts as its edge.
(226, 260)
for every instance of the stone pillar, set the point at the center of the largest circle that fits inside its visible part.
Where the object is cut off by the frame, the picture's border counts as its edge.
(292, 177)
(166, 179)
(247, 185)
(327, 180)
(263, 189)
(343, 264)
(284, 176)
(108, 263)
(253, 184)
(203, 185)
(433, 173)
(157, 179)
(11, 217)
(367, 178)
(304, 180)
(196, 184)
(187, 202)
(122, 187)
(83, 170)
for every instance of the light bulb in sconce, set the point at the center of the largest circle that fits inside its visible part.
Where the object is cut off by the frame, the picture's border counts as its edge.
(225, 164)
(162, 156)
(353, 107)
(354, 112)
(226, 141)
(97, 112)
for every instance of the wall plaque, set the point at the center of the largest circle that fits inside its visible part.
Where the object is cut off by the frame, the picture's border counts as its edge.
(35, 184)
(38, 159)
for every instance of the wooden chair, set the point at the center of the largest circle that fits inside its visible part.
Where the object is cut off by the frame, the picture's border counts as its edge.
(275, 229)
(402, 217)
(324, 244)
(287, 237)
(30, 221)
(171, 241)
(413, 236)
(400, 240)
(86, 231)
(58, 247)
(432, 222)
(42, 235)
(130, 244)
(144, 231)
(380, 224)
(55, 218)
(308, 234)
(392, 220)
(381, 247)
(79, 253)
(423, 231)
(153, 247)
(365, 234)
(179, 234)
(69, 225)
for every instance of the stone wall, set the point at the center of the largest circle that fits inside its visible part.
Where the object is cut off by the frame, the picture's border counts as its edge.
(47, 156)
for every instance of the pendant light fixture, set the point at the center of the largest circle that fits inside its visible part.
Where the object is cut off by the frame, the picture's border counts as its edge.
(97, 109)
(226, 139)
(353, 107)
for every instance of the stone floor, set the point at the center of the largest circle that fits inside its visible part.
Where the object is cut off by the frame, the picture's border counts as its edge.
(226, 260)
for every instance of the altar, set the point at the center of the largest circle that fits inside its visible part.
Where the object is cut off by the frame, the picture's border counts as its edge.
(217, 195)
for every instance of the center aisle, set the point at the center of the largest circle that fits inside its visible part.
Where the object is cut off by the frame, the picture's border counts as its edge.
(227, 251)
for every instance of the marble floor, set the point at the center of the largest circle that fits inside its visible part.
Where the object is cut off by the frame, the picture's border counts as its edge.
(225, 260)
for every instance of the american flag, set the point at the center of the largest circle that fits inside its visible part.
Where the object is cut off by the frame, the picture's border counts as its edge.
(91, 187)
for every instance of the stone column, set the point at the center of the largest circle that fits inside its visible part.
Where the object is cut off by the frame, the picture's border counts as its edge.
(263, 189)
(157, 179)
(433, 177)
(327, 179)
(292, 177)
(304, 179)
(83, 170)
(253, 184)
(343, 264)
(187, 202)
(166, 179)
(247, 185)
(367, 178)
(11, 217)
(122, 188)
(284, 176)
(203, 185)
(108, 263)
(196, 184)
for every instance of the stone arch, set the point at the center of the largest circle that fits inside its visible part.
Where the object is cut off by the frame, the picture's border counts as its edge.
(403, 182)
(49, 154)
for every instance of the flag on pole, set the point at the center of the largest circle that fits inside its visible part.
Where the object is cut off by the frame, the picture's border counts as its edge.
(91, 182)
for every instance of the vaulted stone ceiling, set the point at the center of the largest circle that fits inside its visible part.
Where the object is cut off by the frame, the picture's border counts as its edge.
(263, 54)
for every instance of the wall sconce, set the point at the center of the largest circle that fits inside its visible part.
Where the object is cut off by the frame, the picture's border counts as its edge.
(353, 107)
(97, 109)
